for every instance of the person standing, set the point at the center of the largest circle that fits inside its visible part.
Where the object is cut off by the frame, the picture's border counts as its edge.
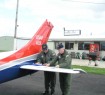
(45, 57)
(64, 61)
(93, 57)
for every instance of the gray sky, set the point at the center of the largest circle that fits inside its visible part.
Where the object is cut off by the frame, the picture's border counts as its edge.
(86, 15)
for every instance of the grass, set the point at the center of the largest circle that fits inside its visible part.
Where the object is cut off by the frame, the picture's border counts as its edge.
(92, 70)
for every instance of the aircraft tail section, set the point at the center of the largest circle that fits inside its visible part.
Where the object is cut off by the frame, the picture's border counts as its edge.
(34, 45)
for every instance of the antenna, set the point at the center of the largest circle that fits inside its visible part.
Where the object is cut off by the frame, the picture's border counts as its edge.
(15, 33)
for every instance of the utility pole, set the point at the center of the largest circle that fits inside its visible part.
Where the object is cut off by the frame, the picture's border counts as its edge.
(16, 25)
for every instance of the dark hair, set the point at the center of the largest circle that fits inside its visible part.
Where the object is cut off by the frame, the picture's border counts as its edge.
(44, 47)
(60, 46)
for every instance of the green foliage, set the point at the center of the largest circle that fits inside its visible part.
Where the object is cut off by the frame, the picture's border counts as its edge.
(93, 70)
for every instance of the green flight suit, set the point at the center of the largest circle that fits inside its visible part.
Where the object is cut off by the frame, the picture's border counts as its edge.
(64, 61)
(49, 77)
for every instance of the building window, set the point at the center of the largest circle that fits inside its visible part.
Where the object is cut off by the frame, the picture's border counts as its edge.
(80, 46)
(103, 46)
(83, 46)
(69, 45)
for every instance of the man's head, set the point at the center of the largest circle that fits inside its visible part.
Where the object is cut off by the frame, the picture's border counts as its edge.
(61, 48)
(45, 48)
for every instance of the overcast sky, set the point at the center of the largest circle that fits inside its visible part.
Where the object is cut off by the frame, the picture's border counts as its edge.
(86, 15)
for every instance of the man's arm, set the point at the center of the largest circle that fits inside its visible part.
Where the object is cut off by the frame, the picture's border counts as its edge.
(53, 62)
(39, 59)
(66, 63)
(52, 56)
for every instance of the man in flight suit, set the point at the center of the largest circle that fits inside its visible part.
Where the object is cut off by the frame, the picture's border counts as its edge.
(45, 57)
(64, 61)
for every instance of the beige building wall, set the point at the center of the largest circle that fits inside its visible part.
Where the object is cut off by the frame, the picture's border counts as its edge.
(51, 45)
(6, 43)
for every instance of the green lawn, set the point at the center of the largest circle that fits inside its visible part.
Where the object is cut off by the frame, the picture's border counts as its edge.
(92, 70)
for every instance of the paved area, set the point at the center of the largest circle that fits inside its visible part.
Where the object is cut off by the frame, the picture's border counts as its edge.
(101, 64)
(82, 84)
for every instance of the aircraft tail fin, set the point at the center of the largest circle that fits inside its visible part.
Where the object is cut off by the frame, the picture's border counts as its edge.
(34, 45)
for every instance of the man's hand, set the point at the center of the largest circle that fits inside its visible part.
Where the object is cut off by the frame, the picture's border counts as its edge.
(57, 66)
(38, 63)
(44, 64)
(48, 64)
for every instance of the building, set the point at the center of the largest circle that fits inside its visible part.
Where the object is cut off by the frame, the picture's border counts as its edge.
(78, 44)
(74, 44)
(6, 43)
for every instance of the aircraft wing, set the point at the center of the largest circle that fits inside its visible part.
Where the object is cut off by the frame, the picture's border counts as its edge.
(52, 69)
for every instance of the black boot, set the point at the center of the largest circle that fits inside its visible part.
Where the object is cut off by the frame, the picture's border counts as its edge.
(52, 93)
(46, 93)
(96, 64)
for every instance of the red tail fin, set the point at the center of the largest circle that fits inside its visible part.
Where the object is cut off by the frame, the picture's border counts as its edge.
(34, 45)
